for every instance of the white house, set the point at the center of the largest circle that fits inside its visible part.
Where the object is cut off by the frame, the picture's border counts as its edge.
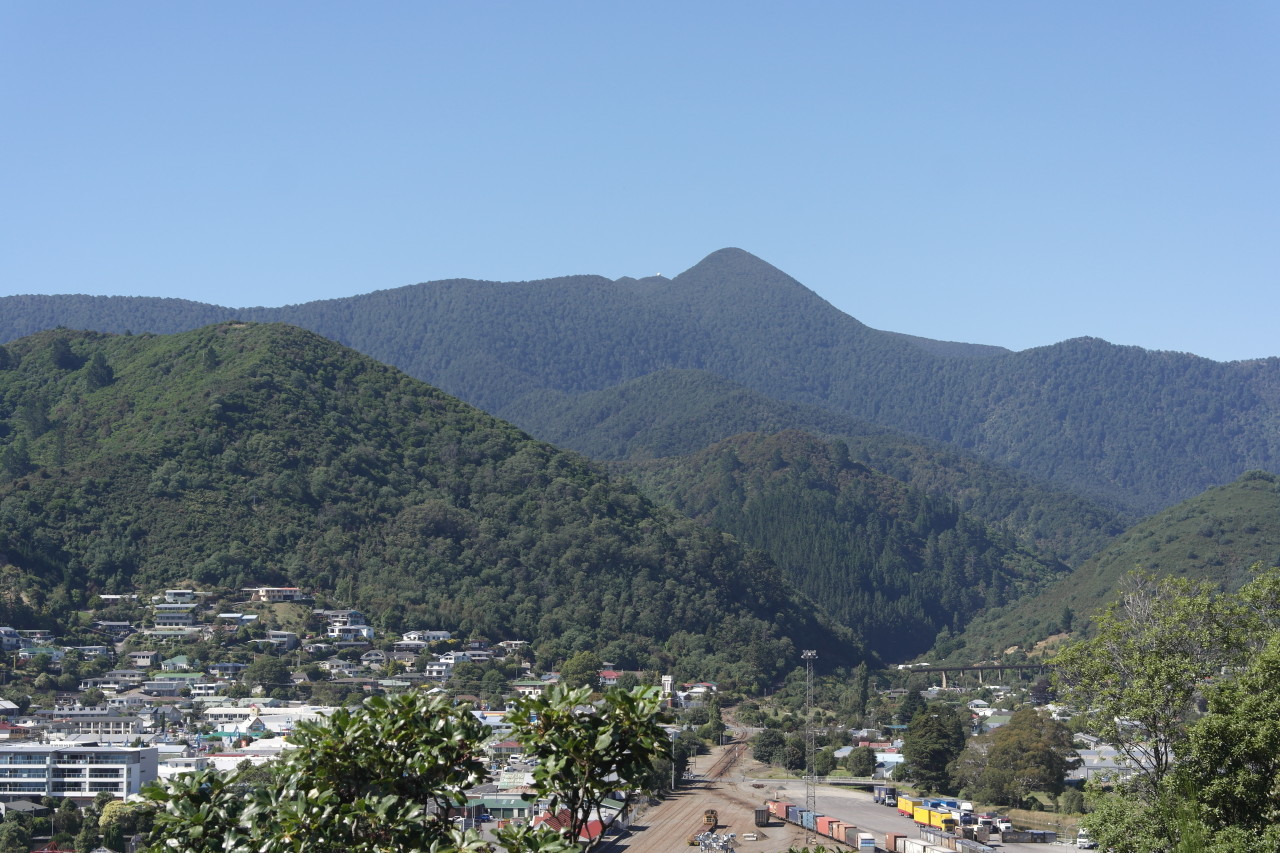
(428, 636)
(276, 593)
(437, 670)
(350, 633)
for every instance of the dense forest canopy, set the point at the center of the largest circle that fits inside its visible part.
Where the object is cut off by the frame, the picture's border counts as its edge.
(1215, 537)
(1134, 428)
(680, 412)
(897, 565)
(242, 454)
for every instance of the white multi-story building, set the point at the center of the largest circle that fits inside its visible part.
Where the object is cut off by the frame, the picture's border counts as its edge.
(276, 593)
(350, 633)
(31, 771)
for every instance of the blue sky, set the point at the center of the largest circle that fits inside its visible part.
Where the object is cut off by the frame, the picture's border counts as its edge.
(1005, 173)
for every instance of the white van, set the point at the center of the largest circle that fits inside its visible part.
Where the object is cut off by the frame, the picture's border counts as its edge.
(1083, 841)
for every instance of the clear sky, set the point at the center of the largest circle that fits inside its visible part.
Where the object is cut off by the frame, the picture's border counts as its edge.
(1012, 173)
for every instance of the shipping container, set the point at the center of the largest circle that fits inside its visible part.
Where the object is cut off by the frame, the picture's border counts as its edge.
(809, 820)
(793, 813)
(823, 825)
(866, 841)
(907, 805)
(762, 817)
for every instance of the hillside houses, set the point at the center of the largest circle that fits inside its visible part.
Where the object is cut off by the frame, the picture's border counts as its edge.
(180, 649)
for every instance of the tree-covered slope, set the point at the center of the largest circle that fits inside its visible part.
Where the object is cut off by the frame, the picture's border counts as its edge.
(897, 565)
(1132, 427)
(1216, 536)
(679, 412)
(242, 454)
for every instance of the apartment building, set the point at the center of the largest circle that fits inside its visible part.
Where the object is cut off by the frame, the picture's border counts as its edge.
(31, 771)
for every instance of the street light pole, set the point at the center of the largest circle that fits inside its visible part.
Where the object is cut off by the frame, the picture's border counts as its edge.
(811, 797)
(673, 760)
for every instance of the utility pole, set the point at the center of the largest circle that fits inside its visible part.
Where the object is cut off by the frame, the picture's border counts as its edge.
(674, 734)
(810, 790)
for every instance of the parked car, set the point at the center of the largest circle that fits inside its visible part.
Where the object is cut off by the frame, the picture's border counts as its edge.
(1083, 841)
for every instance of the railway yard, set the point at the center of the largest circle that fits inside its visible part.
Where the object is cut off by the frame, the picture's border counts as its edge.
(728, 781)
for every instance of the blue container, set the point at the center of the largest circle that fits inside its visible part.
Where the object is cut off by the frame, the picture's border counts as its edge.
(793, 814)
(809, 820)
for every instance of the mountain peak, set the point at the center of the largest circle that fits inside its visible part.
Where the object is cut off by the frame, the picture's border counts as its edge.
(735, 262)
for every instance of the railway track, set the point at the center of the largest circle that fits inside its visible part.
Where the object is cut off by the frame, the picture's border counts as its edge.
(727, 759)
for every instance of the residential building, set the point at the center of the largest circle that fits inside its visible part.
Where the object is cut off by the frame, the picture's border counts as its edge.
(173, 765)
(82, 772)
(228, 669)
(342, 617)
(94, 721)
(144, 659)
(437, 670)
(455, 657)
(178, 663)
(530, 687)
(284, 640)
(115, 681)
(115, 630)
(339, 667)
(174, 615)
(428, 636)
(350, 633)
(32, 652)
(276, 593)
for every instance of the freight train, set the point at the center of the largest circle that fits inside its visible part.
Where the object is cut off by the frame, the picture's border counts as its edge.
(828, 827)
(932, 840)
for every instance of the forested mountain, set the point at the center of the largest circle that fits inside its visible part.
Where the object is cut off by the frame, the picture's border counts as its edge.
(242, 454)
(1134, 428)
(1216, 536)
(897, 565)
(679, 412)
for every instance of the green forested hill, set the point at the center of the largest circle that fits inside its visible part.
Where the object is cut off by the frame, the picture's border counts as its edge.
(902, 568)
(1216, 536)
(1131, 427)
(679, 412)
(243, 454)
